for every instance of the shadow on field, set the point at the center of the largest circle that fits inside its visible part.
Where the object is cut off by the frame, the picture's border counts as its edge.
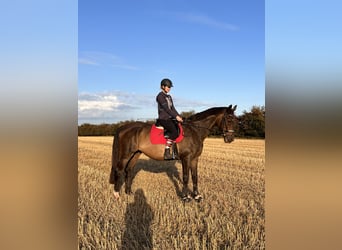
(153, 166)
(138, 219)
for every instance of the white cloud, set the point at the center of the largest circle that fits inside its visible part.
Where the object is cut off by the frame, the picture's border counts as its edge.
(103, 102)
(208, 21)
(203, 19)
(99, 58)
(125, 66)
(86, 61)
(109, 106)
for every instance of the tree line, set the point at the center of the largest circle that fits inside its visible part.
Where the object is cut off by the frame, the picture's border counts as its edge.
(251, 124)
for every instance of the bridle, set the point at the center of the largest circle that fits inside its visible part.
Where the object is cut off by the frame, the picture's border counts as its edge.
(225, 122)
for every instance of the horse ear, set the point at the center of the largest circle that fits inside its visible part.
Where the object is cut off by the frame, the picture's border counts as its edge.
(234, 107)
(230, 106)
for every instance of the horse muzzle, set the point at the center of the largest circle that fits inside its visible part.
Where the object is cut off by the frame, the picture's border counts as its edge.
(228, 136)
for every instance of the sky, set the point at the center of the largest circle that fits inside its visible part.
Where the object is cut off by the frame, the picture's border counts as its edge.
(213, 52)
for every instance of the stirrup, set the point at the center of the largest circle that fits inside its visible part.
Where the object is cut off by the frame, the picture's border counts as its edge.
(175, 155)
(167, 154)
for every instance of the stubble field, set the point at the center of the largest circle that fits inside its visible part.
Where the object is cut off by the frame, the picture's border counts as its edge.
(231, 179)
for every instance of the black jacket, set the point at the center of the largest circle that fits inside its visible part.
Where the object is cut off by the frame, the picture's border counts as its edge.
(166, 109)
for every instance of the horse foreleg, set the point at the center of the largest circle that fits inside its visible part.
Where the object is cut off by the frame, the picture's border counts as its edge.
(194, 177)
(185, 168)
(129, 172)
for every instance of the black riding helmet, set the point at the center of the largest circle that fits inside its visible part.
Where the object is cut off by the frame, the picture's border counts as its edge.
(166, 82)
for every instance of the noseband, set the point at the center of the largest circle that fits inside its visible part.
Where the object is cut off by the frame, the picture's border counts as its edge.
(227, 118)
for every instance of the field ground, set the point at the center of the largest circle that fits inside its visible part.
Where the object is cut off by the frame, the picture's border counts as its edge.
(231, 179)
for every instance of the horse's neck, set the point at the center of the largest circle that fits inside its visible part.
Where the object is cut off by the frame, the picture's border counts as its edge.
(210, 121)
(207, 124)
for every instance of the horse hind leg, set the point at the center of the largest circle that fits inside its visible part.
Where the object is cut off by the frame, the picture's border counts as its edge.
(129, 172)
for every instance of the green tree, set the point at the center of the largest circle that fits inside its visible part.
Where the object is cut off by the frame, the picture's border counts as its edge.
(186, 114)
(252, 124)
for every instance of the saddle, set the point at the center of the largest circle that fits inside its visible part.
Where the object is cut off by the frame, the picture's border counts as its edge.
(158, 134)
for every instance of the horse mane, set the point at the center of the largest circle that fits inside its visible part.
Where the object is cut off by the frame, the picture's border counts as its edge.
(202, 115)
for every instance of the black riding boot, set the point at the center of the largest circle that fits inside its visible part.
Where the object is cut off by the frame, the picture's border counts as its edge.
(167, 154)
(175, 152)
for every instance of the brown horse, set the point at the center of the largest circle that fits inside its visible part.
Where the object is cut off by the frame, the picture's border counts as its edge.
(133, 139)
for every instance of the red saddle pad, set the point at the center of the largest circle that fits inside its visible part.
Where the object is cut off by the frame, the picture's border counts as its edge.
(157, 135)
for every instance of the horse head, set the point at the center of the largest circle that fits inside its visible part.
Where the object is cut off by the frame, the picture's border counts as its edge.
(228, 122)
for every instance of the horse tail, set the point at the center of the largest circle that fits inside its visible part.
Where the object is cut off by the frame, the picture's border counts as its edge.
(115, 156)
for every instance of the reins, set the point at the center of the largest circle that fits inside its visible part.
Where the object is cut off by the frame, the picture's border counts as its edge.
(192, 125)
(210, 129)
(195, 126)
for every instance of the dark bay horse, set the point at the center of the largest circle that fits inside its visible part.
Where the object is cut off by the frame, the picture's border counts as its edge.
(133, 139)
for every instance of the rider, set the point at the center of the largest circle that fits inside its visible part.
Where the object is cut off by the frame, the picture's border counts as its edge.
(167, 114)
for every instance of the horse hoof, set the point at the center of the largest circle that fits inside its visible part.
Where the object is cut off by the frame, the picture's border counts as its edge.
(129, 192)
(198, 198)
(186, 198)
(116, 195)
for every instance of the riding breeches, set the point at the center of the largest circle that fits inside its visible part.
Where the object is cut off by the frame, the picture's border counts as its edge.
(171, 128)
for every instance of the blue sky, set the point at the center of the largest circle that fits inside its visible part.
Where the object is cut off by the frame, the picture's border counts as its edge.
(213, 51)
